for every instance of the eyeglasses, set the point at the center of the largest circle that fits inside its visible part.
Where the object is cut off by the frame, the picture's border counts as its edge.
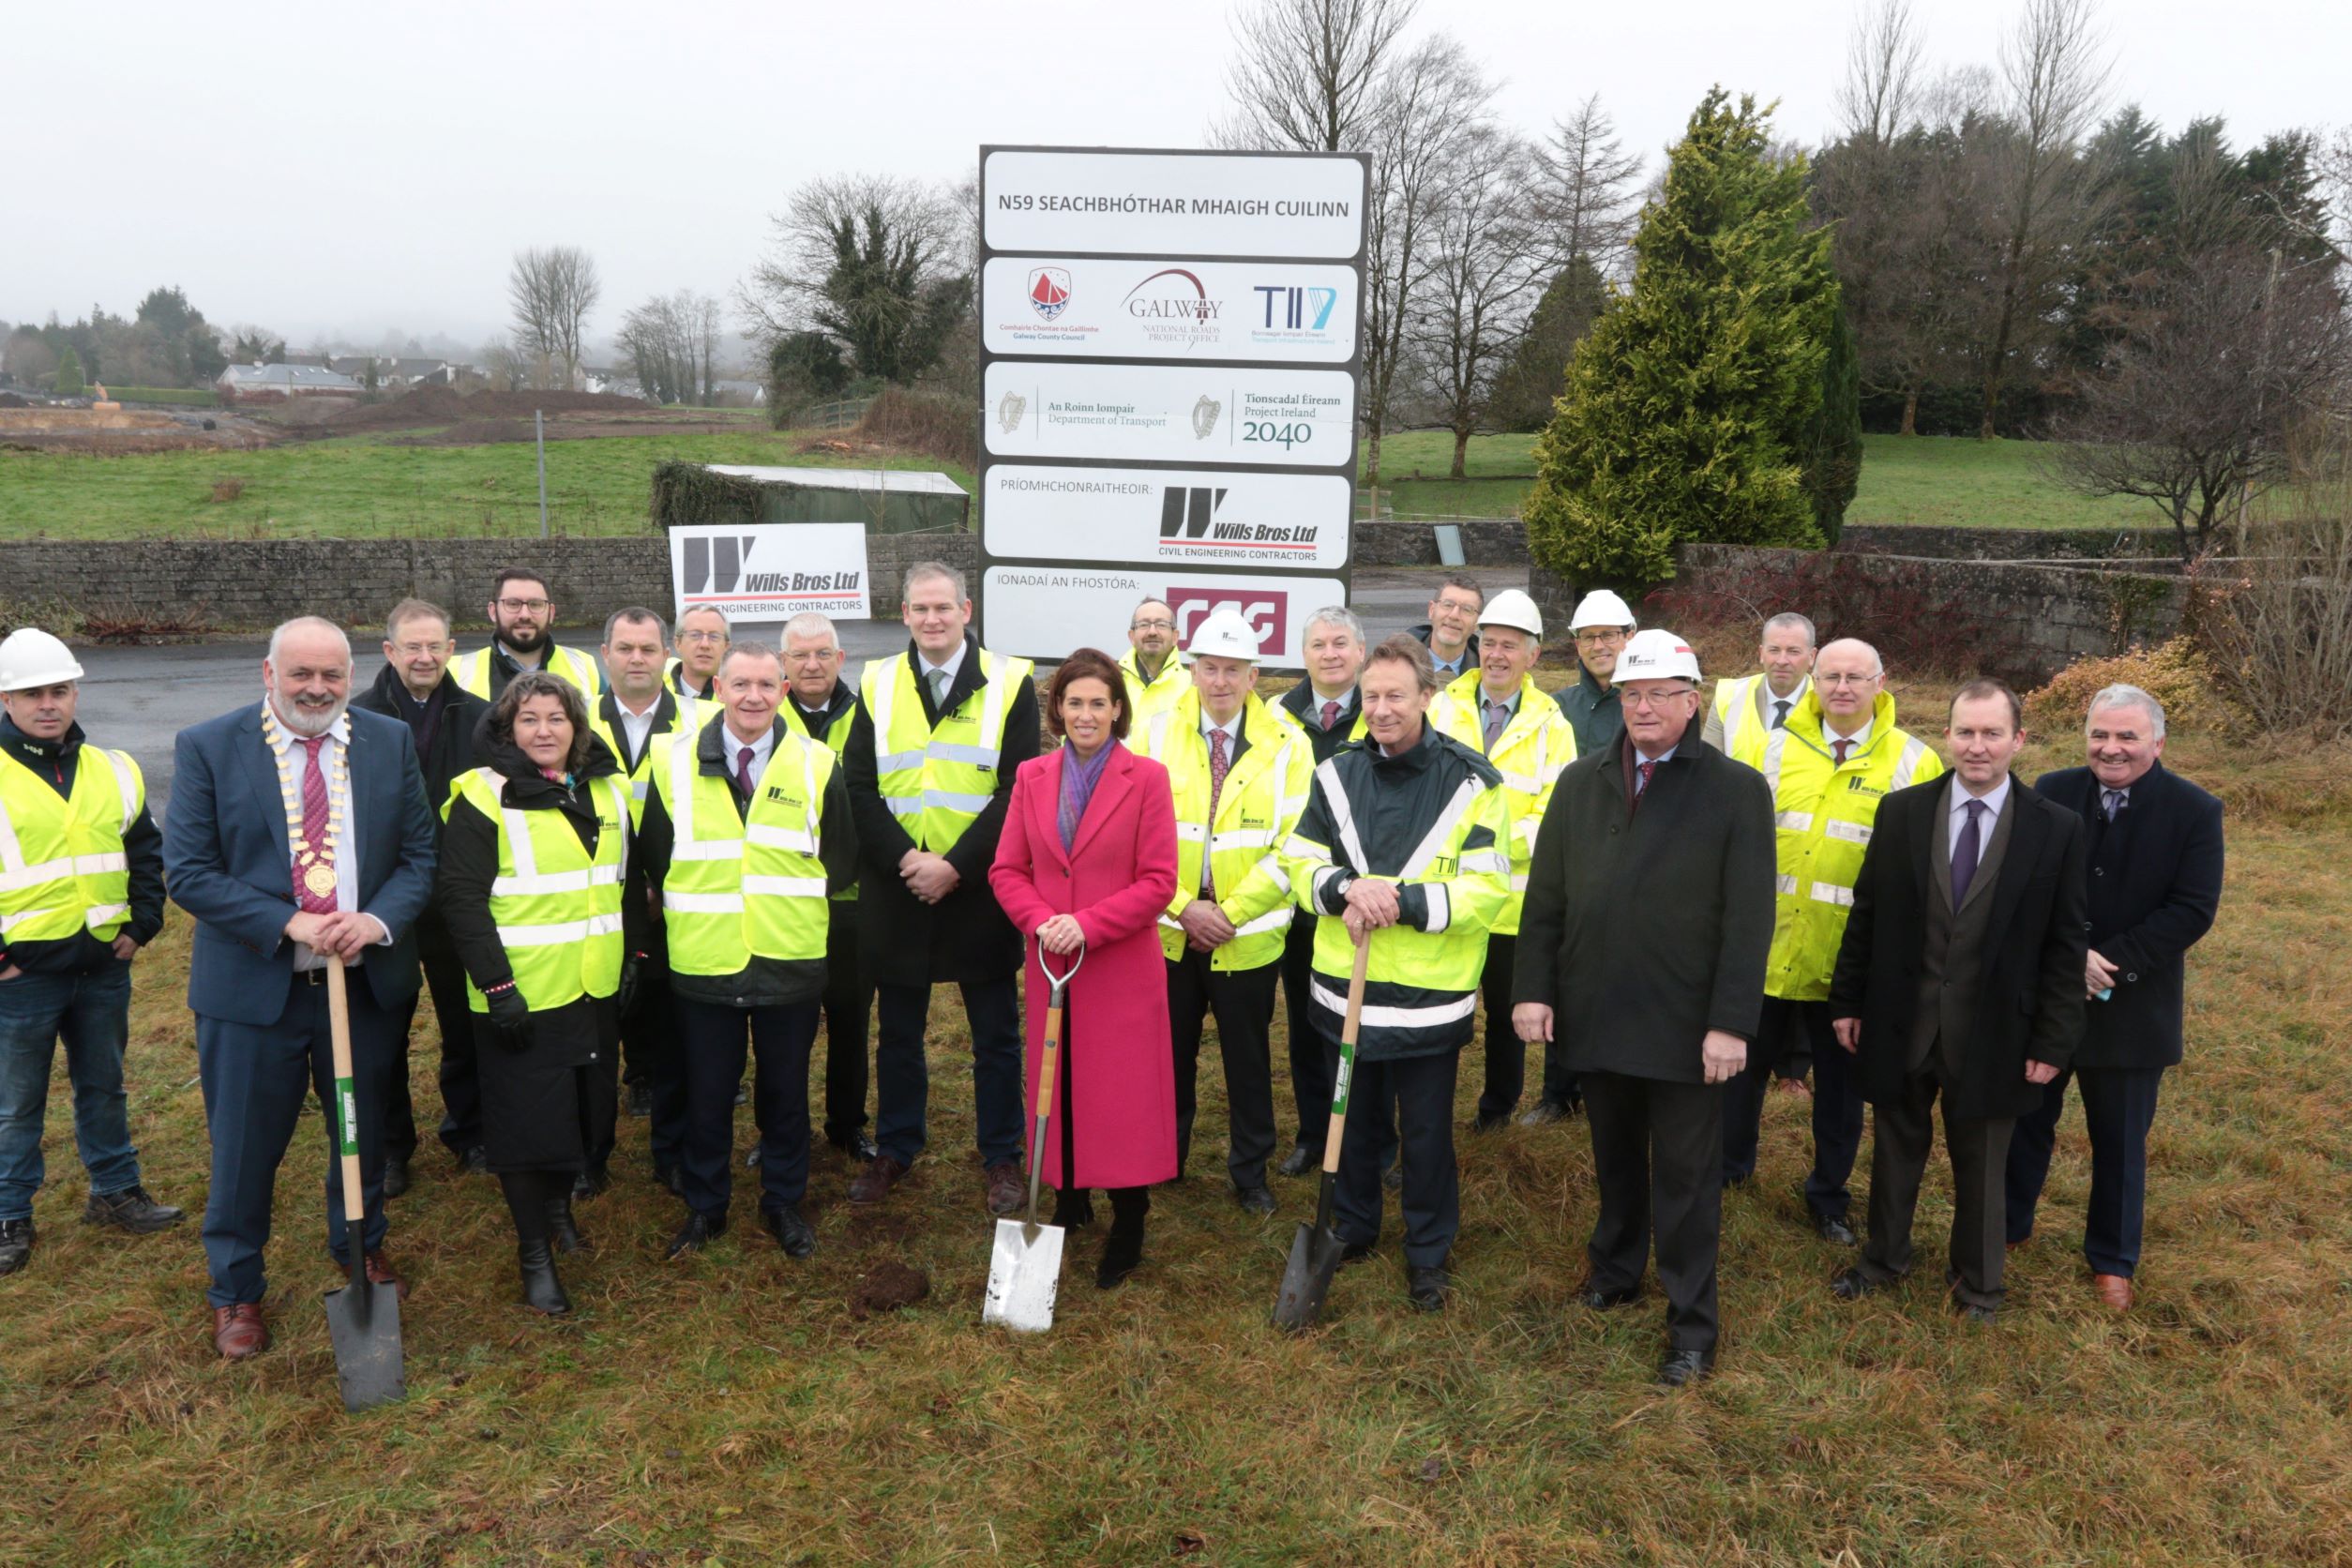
(701, 636)
(520, 606)
(1161, 624)
(1653, 699)
(415, 650)
(1599, 639)
(1843, 680)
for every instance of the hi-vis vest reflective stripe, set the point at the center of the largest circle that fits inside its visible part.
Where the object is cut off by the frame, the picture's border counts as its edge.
(556, 906)
(473, 671)
(1745, 732)
(62, 866)
(641, 777)
(1147, 699)
(1529, 753)
(837, 741)
(937, 781)
(1825, 816)
(741, 888)
(1257, 809)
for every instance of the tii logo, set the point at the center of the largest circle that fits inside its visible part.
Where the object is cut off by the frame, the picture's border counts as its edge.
(1187, 511)
(715, 565)
(1297, 308)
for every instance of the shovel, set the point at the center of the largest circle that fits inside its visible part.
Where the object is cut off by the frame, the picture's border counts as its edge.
(363, 1320)
(1315, 1251)
(1025, 1269)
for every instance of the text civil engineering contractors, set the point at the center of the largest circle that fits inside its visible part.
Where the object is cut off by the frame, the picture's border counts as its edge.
(1170, 355)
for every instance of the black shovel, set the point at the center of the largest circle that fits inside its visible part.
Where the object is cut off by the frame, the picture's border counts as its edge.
(1315, 1251)
(363, 1320)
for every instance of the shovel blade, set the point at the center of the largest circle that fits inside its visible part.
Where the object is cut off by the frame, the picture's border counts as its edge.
(1024, 1273)
(364, 1322)
(1307, 1279)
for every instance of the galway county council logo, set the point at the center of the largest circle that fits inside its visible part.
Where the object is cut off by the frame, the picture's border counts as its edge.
(1050, 291)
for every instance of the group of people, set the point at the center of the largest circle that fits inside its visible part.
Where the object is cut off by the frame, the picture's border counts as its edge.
(623, 876)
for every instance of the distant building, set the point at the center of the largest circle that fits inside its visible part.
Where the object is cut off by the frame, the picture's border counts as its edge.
(284, 381)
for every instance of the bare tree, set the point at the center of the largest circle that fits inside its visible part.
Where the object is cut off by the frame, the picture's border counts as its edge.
(506, 367)
(1486, 253)
(1307, 74)
(873, 262)
(1877, 99)
(550, 290)
(1586, 194)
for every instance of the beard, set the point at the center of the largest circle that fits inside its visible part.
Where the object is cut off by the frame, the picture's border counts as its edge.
(524, 642)
(306, 722)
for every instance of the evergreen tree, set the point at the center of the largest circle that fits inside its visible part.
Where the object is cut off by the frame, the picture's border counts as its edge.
(69, 382)
(1538, 371)
(1829, 446)
(1686, 400)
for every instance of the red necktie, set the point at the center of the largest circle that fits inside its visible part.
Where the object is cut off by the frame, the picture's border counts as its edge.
(1839, 747)
(742, 769)
(1645, 769)
(1331, 714)
(318, 817)
(1217, 765)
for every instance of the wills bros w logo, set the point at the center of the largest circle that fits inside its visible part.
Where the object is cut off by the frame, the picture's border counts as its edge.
(1266, 610)
(714, 566)
(1188, 510)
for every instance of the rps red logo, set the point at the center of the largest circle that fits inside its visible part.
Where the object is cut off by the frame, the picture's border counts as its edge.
(1266, 610)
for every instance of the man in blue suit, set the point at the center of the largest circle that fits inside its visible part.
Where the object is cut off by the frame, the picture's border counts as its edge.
(2155, 883)
(297, 836)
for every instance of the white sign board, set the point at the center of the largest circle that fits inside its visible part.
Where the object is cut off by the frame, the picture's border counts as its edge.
(1117, 309)
(1167, 516)
(1171, 204)
(767, 573)
(1045, 612)
(1171, 414)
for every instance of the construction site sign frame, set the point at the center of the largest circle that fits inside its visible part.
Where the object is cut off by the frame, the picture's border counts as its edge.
(1172, 364)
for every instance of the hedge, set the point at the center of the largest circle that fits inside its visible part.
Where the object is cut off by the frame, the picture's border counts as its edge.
(185, 397)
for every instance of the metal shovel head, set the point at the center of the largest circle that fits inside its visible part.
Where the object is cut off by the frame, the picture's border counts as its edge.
(364, 1322)
(1024, 1272)
(1307, 1279)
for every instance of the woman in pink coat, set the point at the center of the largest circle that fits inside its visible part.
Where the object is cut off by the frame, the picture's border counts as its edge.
(1089, 855)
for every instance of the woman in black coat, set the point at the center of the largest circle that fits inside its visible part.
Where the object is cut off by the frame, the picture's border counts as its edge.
(549, 1072)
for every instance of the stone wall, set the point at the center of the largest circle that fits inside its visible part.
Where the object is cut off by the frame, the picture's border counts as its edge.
(2008, 544)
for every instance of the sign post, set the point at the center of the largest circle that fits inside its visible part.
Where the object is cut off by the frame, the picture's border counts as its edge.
(1171, 352)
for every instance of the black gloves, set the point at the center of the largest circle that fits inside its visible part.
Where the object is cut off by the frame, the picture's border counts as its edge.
(511, 1018)
(626, 998)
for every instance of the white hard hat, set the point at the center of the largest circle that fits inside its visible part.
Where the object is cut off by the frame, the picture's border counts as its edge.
(1601, 608)
(31, 657)
(1512, 608)
(1656, 655)
(1222, 634)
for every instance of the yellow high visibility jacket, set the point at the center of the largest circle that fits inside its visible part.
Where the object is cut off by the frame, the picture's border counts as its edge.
(1147, 698)
(745, 887)
(62, 868)
(1825, 814)
(473, 671)
(837, 739)
(1264, 791)
(690, 717)
(937, 781)
(673, 676)
(1743, 728)
(557, 907)
(1529, 753)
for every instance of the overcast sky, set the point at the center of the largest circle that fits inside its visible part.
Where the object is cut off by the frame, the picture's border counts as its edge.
(322, 169)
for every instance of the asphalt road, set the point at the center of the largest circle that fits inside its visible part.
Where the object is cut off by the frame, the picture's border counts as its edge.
(138, 700)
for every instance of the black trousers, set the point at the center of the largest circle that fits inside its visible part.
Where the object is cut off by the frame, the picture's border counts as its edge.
(1788, 1032)
(1657, 1157)
(1506, 1053)
(1310, 1074)
(650, 1042)
(1242, 1001)
(712, 1039)
(460, 1093)
(1406, 1106)
(2118, 1108)
(849, 1004)
(1904, 1137)
(902, 1079)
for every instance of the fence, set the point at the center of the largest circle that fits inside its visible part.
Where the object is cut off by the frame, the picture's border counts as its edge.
(837, 416)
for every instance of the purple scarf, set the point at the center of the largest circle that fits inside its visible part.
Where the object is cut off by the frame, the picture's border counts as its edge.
(1077, 787)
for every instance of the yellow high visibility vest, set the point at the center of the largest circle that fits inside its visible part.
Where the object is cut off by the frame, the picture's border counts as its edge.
(1744, 731)
(62, 865)
(1147, 698)
(641, 777)
(473, 671)
(1825, 813)
(837, 739)
(1530, 752)
(557, 907)
(746, 887)
(937, 781)
(1258, 807)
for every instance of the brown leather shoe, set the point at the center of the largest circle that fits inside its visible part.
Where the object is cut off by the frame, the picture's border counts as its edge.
(2113, 1290)
(1006, 1193)
(379, 1269)
(874, 1183)
(238, 1332)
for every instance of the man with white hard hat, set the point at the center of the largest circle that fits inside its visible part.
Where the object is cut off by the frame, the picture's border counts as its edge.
(82, 892)
(1498, 711)
(1601, 623)
(1642, 949)
(1240, 771)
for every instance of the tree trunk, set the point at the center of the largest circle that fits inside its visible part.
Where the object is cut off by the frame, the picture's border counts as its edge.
(1372, 454)
(1911, 411)
(1461, 447)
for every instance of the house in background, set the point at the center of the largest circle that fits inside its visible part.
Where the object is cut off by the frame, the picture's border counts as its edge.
(283, 381)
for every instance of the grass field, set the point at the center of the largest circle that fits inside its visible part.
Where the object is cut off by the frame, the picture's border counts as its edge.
(732, 1410)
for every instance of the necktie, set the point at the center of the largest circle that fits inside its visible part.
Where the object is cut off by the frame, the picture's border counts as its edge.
(1218, 763)
(1642, 770)
(317, 825)
(1839, 748)
(1964, 854)
(939, 690)
(1780, 714)
(2112, 800)
(743, 768)
(1331, 714)
(1498, 714)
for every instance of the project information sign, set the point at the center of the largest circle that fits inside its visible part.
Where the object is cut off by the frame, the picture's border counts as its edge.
(1171, 347)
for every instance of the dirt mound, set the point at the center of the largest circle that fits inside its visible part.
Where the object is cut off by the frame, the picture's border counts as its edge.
(887, 1287)
(440, 405)
(10, 399)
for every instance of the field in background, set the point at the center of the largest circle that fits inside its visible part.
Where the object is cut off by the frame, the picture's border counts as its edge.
(737, 1408)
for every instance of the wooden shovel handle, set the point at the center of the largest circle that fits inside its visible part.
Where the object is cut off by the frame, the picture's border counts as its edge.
(1347, 1054)
(346, 1109)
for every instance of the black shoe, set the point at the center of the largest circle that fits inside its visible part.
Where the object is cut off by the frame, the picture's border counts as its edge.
(541, 1291)
(1256, 1200)
(1853, 1285)
(563, 1231)
(795, 1235)
(1831, 1229)
(16, 1244)
(1121, 1254)
(859, 1145)
(1354, 1253)
(132, 1210)
(1982, 1317)
(698, 1233)
(1544, 1112)
(1298, 1162)
(1394, 1179)
(591, 1182)
(395, 1176)
(1427, 1288)
(1072, 1209)
(475, 1161)
(1490, 1124)
(1592, 1300)
(641, 1099)
(671, 1178)
(1683, 1369)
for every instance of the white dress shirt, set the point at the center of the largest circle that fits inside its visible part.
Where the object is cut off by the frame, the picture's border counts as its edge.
(926, 668)
(1854, 742)
(638, 728)
(1995, 800)
(293, 759)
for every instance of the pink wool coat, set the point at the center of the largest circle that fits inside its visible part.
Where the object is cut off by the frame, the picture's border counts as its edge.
(1117, 878)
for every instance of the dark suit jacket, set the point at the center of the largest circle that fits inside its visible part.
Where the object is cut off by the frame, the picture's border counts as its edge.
(452, 749)
(2031, 1005)
(2155, 883)
(1302, 705)
(226, 862)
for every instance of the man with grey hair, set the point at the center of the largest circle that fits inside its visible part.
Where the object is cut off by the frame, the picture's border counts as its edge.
(2155, 883)
(701, 644)
(1746, 711)
(298, 837)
